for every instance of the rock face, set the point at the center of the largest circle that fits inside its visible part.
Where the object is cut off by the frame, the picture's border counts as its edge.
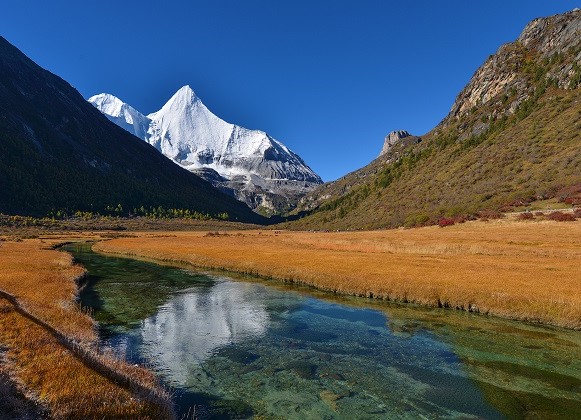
(553, 34)
(249, 164)
(507, 75)
(392, 139)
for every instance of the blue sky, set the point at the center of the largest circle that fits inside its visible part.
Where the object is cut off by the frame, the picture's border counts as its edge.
(328, 78)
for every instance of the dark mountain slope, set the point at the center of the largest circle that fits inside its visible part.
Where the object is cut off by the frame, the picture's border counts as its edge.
(513, 136)
(58, 152)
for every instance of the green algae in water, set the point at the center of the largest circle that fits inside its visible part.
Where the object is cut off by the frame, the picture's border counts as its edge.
(234, 349)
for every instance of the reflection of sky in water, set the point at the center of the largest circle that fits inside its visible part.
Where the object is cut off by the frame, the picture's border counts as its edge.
(191, 326)
(218, 339)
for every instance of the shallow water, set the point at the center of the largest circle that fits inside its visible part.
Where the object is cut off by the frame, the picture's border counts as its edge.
(241, 347)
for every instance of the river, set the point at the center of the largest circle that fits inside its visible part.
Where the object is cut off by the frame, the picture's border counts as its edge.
(237, 347)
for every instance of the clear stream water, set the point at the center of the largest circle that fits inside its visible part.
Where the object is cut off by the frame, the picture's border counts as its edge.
(239, 347)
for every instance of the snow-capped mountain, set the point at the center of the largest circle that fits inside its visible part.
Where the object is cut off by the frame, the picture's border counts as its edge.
(123, 115)
(58, 152)
(250, 164)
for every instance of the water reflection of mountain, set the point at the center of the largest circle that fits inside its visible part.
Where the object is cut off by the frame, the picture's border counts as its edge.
(190, 327)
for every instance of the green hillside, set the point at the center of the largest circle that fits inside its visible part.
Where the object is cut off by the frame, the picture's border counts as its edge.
(513, 137)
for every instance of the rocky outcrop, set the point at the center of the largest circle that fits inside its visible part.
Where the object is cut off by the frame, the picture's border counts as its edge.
(548, 48)
(394, 146)
(553, 34)
(392, 139)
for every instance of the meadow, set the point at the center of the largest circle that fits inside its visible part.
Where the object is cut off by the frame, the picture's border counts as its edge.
(50, 363)
(523, 270)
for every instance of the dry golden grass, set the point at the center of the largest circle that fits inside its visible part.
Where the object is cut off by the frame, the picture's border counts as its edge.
(51, 344)
(520, 270)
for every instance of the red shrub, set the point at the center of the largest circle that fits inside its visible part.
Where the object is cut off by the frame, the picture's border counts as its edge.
(570, 194)
(490, 214)
(526, 216)
(539, 213)
(577, 213)
(576, 200)
(445, 221)
(559, 216)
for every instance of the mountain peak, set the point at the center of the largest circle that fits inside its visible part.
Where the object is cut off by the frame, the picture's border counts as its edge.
(122, 114)
(186, 89)
(109, 102)
(249, 164)
(182, 102)
(185, 95)
(392, 139)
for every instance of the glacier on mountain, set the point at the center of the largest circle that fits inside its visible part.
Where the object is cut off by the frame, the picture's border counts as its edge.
(249, 164)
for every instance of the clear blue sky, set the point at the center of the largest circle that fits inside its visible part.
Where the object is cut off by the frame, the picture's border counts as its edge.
(328, 78)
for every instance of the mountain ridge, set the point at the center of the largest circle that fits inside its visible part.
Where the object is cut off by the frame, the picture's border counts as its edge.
(512, 136)
(249, 164)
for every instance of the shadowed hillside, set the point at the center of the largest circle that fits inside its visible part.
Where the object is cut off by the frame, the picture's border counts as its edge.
(59, 152)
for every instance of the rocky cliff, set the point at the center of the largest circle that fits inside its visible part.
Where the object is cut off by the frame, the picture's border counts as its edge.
(392, 139)
(546, 51)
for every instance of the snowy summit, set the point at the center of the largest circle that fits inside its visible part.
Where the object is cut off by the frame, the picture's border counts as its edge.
(249, 164)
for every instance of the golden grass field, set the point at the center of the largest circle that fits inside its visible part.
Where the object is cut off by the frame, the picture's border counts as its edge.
(49, 344)
(526, 270)
(529, 270)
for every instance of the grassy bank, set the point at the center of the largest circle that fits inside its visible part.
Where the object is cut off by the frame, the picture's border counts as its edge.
(520, 270)
(49, 345)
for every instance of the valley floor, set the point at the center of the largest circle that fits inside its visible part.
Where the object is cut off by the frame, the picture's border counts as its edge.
(524, 270)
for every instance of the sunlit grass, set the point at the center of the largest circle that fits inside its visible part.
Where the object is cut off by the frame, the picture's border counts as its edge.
(51, 343)
(521, 270)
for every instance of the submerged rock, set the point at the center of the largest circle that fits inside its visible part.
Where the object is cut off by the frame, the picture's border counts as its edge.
(303, 370)
(238, 356)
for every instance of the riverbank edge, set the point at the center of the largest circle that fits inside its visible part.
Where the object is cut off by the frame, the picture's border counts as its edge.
(574, 325)
(87, 354)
